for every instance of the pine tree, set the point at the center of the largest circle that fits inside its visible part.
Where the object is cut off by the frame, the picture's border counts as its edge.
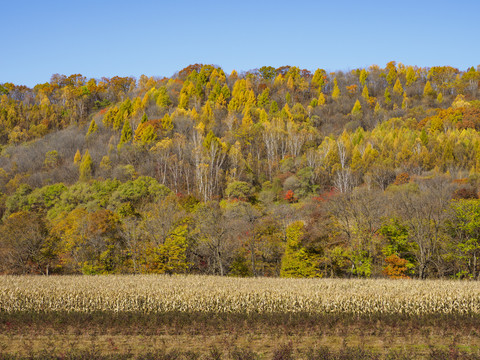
(365, 94)
(105, 164)
(92, 128)
(392, 75)
(127, 134)
(387, 96)
(397, 88)
(318, 79)
(411, 77)
(77, 158)
(288, 98)
(363, 77)
(321, 99)
(144, 118)
(404, 101)
(273, 108)
(439, 98)
(428, 90)
(336, 91)
(357, 109)
(86, 167)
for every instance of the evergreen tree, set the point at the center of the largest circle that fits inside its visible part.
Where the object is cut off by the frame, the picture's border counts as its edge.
(321, 99)
(365, 94)
(411, 77)
(86, 167)
(273, 108)
(428, 90)
(92, 128)
(439, 98)
(318, 79)
(127, 134)
(336, 91)
(77, 158)
(397, 88)
(387, 96)
(357, 109)
(363, 77)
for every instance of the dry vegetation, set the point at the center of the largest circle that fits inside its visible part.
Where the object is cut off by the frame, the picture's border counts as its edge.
(165, 294)
(206, 317)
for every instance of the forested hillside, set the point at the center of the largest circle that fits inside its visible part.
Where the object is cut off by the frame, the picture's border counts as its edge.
(272, 172)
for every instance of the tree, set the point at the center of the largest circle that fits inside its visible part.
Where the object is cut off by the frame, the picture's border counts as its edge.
(127, 134)
(267, 72)
(363, 77)
(422, 207)
(463, 225)
(387, 97)
(365, 94)
(86, 167)
(397, 88)
(428, 90)
(297, 262)
(357, 110)
(24, 246)
(92, 128)
(336, 90)
(319, 78)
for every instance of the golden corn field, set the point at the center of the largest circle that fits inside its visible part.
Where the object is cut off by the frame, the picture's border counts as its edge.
(161, 294)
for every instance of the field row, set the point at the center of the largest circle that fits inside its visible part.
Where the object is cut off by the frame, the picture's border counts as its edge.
(161, 294)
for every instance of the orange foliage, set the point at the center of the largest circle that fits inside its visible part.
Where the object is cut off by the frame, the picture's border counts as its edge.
(396, 267)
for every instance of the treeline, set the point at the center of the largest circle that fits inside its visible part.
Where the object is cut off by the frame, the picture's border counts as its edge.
(271, 172)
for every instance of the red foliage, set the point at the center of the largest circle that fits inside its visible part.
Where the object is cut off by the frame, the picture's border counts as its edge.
(290, 196)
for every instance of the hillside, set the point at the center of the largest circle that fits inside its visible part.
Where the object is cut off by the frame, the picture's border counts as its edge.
(271, 172)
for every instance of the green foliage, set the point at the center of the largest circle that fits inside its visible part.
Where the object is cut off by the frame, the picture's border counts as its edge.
(319, 78)
(143, 189)
(239, 190)
(86, 167)
(297, 262)
(127, 134)
(171, 256)
(267, 72)
(51, 159)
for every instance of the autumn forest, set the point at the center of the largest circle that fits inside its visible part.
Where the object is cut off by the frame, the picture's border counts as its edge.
(286, 172)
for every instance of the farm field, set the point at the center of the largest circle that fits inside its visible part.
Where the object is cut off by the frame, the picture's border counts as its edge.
(178, 317)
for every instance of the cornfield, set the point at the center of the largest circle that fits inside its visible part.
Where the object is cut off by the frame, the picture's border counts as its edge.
(161, 294)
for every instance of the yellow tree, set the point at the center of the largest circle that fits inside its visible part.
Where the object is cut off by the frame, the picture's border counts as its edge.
(336, 90)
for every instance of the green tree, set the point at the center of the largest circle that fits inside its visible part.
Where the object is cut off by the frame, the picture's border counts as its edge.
(387, 96)
(297, 262)
(319, 78)
(127, 134)
(86, 167)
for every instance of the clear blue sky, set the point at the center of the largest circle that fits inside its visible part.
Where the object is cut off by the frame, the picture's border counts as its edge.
(157, 38)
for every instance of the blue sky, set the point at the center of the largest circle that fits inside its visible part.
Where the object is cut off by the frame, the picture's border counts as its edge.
(157, 38)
